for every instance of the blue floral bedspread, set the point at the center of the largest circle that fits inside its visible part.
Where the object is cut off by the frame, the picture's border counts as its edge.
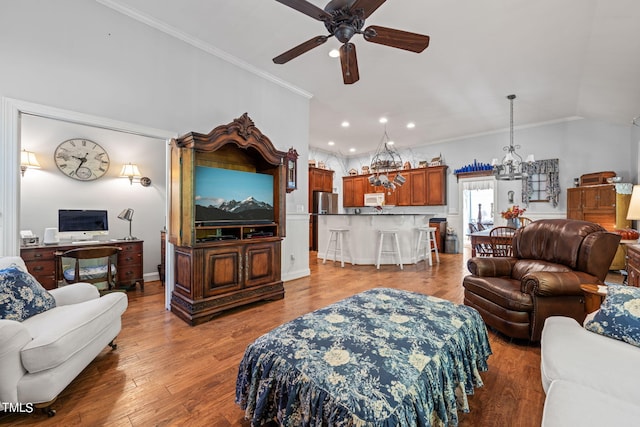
(384, 357)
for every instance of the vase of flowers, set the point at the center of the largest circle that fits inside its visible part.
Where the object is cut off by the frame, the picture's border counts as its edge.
(512, 216)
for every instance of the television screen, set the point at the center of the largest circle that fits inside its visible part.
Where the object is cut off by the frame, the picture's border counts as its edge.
(229, 196)
(77, 220)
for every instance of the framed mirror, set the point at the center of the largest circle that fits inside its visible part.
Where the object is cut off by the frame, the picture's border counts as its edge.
(291, 160)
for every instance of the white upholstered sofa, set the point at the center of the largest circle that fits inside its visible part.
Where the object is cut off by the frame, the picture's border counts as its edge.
(41, 355)
(589, 379)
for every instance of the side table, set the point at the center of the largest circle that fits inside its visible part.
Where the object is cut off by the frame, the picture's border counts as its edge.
(593, 297)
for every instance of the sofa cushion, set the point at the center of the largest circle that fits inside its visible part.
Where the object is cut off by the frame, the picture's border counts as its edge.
(503, 291)
(65, 330)
(619, 315)
(570, 352)
(572, 404)
(523, 267)
(21, 296)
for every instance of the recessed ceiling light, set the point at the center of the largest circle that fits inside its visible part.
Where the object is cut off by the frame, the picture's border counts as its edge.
(383, 120)
(331, 143)
(352, 150)
(334, 53)
(345, 124)
(411, 125)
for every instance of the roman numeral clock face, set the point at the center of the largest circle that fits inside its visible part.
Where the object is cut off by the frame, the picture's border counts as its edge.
(81, 159)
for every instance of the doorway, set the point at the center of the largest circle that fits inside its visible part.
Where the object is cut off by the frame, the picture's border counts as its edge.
(478, 205)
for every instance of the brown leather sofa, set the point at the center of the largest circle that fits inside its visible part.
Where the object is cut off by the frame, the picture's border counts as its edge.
(551, 259)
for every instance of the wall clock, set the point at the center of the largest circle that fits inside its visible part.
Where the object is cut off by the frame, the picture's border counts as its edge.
(291, 159)
(81, 159)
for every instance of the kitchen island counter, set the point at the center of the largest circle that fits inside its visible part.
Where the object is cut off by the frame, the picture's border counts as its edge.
(362, 239)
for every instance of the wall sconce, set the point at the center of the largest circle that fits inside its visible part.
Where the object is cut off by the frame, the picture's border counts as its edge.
(131, 171)
(28, 161)
(127, 215)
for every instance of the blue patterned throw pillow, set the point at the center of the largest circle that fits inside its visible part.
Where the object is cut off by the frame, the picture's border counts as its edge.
(619, 315)
(21, 296)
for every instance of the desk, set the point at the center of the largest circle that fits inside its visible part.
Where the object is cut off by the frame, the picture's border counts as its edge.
(41, 262)
(479, 237)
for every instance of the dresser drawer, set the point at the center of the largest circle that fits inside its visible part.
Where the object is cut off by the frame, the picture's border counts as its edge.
(129, 275)
(127, 259)
(131, 247)
(39, 254)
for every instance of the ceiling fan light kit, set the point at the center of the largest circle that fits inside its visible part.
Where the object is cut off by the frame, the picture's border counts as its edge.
(344, 19)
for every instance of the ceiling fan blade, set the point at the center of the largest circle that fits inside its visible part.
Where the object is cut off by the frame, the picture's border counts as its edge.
(307, 8)
(368, 6)
(349, 63)
(396, 38)
(300, 49)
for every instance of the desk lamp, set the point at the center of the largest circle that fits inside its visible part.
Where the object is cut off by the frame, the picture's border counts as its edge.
(127, 215)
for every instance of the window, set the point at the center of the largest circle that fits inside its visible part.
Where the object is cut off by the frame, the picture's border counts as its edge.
(538, 188)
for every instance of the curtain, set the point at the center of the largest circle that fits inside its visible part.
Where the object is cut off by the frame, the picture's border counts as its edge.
(551, 169)
(483, 184)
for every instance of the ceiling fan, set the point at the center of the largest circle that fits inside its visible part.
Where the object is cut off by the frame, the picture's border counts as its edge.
(343, 19)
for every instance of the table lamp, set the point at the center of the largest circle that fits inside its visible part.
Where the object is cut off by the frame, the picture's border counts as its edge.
(634, 204)
(127, 215)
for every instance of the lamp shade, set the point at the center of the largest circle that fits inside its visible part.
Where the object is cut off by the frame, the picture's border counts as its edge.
(126, 214)
(634, 204)
(130, 170)
(28, 160)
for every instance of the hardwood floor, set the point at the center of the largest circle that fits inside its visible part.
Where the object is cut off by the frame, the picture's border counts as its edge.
(166, 373)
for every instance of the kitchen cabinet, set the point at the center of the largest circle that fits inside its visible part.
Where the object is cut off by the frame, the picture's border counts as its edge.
(423, 187)
(353, 189)
(319, 180)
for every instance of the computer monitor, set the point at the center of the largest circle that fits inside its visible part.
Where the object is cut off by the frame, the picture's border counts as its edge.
(82, 224)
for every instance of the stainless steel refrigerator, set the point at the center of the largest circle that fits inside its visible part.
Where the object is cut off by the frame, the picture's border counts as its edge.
(323, 203)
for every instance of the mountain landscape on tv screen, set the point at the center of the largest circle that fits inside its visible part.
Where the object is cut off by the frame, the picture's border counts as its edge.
(246, 210)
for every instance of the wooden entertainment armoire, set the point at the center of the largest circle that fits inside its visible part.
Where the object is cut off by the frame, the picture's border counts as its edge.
(218, 267)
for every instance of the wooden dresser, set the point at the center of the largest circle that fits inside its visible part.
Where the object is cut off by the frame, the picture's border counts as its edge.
(605, 204)
(633, 265)
(41, 262)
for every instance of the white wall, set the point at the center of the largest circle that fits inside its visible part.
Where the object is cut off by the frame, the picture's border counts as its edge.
(83, 57)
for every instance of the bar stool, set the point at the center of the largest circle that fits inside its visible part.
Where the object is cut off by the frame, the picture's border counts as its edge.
(336, 237)
(427, 236)
(395, 251)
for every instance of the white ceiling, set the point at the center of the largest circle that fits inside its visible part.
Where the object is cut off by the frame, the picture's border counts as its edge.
(562, 58)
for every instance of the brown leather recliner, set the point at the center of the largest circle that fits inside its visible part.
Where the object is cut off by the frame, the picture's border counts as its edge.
(551, 259)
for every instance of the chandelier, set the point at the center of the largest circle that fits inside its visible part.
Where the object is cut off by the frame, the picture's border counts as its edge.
(511, 166)
(386, 162)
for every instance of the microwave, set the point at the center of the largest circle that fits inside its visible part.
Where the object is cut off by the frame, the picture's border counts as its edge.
(374, 199)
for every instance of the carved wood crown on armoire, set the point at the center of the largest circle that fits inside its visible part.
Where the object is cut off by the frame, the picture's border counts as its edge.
(225, 255)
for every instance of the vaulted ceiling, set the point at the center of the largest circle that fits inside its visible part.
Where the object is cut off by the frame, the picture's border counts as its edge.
(563, 59)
